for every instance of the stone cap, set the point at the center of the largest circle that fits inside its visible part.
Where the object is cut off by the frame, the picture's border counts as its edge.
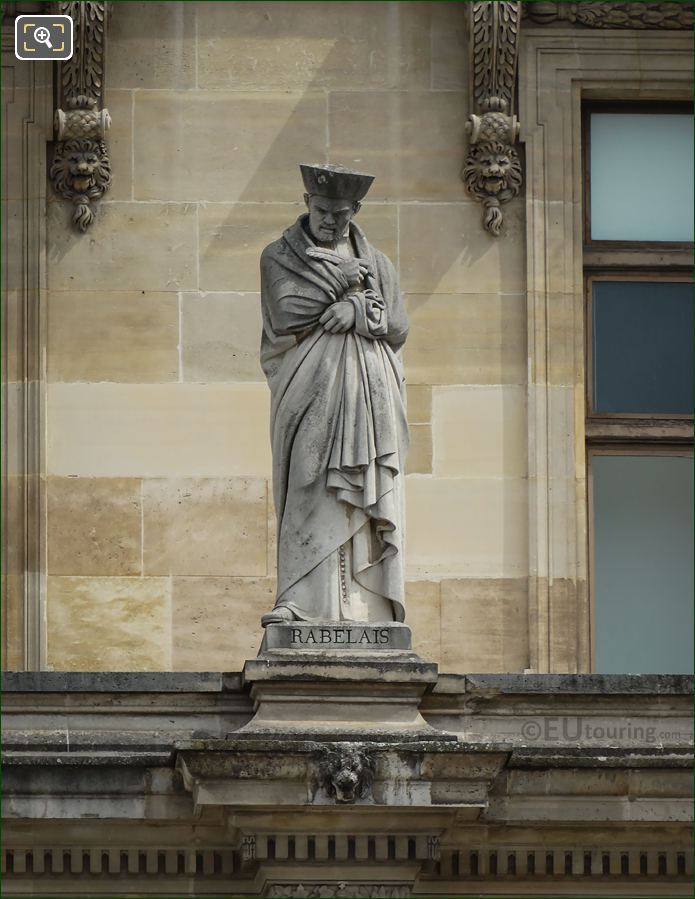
(335, 181)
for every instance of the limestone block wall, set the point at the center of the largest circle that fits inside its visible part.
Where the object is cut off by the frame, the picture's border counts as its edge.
(160, 542)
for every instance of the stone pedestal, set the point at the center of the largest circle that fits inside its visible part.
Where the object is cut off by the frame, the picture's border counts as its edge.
(339, 681)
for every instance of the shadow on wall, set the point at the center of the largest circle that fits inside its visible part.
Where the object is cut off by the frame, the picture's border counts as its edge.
(376, 86)
(351, 85)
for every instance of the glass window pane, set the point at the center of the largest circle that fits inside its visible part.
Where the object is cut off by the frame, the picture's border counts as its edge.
(643, 564)
(642, 346)
(641, 177)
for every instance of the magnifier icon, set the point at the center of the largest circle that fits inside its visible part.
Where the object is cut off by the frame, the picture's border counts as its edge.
(43, 36)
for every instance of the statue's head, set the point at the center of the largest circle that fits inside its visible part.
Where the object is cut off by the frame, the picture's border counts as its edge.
(328, 218)
(333, 195)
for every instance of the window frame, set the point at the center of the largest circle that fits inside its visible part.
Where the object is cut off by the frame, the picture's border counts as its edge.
(611, 426)
(559, 70)
(625, 107)
(627, 260)
(613, 449)
(624, 433)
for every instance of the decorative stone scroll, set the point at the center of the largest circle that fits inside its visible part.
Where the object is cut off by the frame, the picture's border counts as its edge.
(340, 888)
(81, 169)
(613, 15)
(492, 172)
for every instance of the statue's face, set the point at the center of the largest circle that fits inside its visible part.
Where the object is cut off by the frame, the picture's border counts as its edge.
(329, 219)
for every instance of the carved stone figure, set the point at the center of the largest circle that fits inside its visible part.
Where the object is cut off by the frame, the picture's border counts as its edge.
(81, 173)
(347, 774)
(333, 326)
(493, 175)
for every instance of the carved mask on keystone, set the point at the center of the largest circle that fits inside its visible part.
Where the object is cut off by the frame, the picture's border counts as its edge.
(348, 775)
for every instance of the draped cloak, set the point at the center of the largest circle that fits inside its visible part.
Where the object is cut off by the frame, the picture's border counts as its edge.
(338, 426)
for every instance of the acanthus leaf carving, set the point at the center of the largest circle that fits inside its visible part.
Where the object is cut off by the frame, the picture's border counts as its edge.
(81, 169)
(492, 171)
(84, 73)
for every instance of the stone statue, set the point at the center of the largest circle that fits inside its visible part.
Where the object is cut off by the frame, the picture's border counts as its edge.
(333, 326)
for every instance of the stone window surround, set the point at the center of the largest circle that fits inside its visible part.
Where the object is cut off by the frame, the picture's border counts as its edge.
(557, 70)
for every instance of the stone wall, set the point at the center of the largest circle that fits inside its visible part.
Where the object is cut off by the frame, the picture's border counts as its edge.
(160, 546)
(144, 784)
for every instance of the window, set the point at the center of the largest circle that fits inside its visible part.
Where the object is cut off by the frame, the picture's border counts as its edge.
(638, 233)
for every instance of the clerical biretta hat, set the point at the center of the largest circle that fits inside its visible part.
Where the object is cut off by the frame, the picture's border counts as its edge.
(335, 182)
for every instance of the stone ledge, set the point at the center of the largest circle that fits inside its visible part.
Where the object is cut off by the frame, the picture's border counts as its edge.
(216, 682)
(119, 681)
(237, 744)
(541, 757)
(316, 667)
(90, 759)
(603, 684)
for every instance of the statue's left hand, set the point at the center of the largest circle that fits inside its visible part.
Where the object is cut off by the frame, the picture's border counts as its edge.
(339, 317)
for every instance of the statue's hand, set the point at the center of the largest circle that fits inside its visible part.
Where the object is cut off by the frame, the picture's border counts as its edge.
(355, 270)
(339, 317)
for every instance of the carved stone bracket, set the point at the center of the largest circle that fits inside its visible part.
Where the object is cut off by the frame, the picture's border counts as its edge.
(613, 15)
(248, 848)
(492, 171)
(81, 169)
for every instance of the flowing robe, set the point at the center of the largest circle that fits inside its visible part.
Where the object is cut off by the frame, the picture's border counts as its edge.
(338, 427)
